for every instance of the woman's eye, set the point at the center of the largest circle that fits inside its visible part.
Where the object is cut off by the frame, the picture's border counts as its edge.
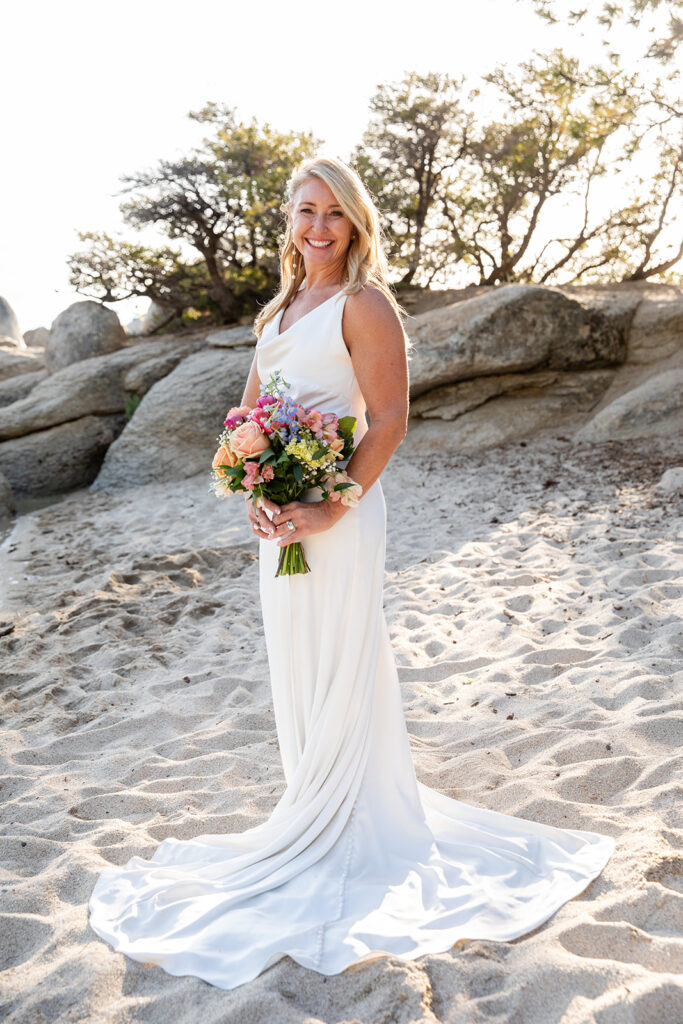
(307, 209)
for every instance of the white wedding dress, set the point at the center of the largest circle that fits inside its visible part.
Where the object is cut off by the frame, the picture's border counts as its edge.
(358, 858)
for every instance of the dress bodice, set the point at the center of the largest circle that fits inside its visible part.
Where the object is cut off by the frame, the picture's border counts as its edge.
(314, 360)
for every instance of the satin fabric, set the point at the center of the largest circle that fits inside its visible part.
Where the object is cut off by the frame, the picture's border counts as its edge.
(358, 858)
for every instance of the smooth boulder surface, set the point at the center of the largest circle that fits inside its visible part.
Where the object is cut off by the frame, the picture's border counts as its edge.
(232, 337)
(15, 360)
(650, 410)
(59, 459)
(175, 429)
(511, 329)
(37, 338)
(657, 328)
(83, 330)
(580, 389)
(9, 325)
(13, 389)
(651, 314)
(521, 409)
(93, 386)
(671, 481)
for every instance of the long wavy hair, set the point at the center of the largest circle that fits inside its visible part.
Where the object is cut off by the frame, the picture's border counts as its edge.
(366, 261)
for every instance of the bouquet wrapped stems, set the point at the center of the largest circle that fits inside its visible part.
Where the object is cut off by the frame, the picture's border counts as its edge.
(292, 560)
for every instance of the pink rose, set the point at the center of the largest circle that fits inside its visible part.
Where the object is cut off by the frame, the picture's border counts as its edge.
(248, 439)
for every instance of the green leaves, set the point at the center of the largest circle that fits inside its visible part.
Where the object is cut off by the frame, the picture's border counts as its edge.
(347, 425)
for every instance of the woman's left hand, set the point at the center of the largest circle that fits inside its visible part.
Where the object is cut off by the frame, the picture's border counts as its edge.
(308, 517)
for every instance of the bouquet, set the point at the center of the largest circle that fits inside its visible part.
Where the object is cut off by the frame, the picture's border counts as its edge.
(278, 450)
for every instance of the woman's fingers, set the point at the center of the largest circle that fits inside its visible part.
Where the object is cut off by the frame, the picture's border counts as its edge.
(265, 506)
(285, 512)
(258, 520)
(258, 516)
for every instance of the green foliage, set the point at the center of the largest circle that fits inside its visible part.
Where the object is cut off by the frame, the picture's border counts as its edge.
(455, 190)
(414, 139)
(639, 14)
(132, 401)
(458, 193)
(221, 205)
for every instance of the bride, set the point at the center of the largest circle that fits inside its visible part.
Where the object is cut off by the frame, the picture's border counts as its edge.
(358, 859)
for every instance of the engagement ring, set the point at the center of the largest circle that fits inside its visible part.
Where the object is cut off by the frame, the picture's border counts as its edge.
(290, 524)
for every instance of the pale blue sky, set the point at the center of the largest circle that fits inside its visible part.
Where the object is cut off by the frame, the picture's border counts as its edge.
(91, 92)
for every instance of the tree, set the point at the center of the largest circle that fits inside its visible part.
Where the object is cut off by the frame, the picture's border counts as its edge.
(638, 227)
(638, 14)
(222, 203)
(112, 270)
(417, 133)
(638, 231)
(551, 142)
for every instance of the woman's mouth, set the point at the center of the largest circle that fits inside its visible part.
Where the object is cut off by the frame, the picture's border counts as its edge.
(319, 245)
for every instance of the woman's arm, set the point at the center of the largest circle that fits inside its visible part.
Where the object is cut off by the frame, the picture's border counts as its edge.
(253, 386)
(376, 342)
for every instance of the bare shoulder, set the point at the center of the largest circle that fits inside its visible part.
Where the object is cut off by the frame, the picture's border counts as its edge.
(370, 302)
(370, 317)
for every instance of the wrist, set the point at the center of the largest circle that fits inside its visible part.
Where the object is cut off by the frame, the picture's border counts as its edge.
(335, 510)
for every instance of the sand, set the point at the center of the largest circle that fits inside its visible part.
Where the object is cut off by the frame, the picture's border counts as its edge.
(533, 596)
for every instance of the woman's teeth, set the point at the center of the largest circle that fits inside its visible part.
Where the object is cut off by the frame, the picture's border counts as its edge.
(318, 245)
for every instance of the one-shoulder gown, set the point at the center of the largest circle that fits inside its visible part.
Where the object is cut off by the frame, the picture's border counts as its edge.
(358, 858)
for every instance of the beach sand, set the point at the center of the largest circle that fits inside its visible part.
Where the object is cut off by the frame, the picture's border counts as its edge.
(533, 596)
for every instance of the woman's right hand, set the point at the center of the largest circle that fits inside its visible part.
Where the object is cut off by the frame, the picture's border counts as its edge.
(260, 523)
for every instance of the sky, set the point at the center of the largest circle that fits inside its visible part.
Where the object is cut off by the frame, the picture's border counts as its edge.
(91, 92)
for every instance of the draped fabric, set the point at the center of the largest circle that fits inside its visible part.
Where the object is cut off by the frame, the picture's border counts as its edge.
(358, 858)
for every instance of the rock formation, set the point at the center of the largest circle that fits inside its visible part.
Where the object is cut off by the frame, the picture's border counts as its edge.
(599, 363)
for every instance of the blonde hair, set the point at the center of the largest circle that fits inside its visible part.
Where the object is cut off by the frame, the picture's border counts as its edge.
(366, 262)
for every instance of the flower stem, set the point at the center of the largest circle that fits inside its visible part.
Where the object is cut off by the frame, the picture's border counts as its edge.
(292, 560)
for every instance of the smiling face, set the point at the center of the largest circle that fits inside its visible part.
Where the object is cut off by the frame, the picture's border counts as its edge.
(315, 216)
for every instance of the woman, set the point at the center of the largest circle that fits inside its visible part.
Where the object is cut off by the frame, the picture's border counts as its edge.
(358, 858)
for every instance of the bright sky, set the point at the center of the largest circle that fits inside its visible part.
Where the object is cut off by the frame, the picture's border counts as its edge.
(91, 92)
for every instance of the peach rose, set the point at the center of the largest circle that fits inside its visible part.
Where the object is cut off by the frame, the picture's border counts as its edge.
(225, 456)
(351, 495)
(337, 445)
(248, 439)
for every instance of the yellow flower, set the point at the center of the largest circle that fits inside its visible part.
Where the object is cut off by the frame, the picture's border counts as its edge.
(302, 451)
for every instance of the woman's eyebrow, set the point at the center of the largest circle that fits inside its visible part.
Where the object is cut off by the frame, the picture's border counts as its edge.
(311, 202)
